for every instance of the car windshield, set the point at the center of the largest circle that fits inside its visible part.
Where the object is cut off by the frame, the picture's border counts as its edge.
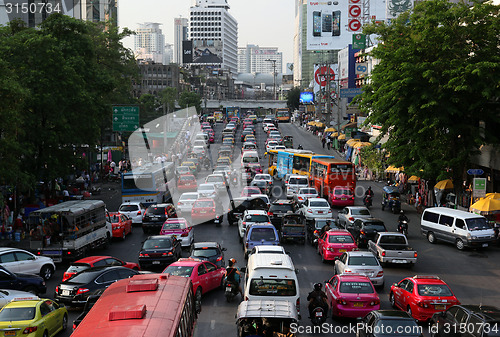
(77, 267)
(340, 239)
(298, 181)
(206, 188)
(320, 224)
(258, 218)
(251, 159)
(360, 211)
(272, 287)
(205, 252)
(179, 271)
(262, 177)
(128, 208)
(362, 261)
(281, 208)
(187, 178)
(378, 227)
(477, 224)
(356, 288)
(157, 243)
(84, 277)
(405, 327)
(343, 192)
(181, 169)
(307, 191)
(319, 203)
(215, 179)
(188, 197)
(17, 314)
(259, 234)
(204, 204)
(174, 225)
(434, 290)
(155, 210)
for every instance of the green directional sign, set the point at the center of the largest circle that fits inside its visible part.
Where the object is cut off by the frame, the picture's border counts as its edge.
(358, 41)
(479, 188)
(125, 118)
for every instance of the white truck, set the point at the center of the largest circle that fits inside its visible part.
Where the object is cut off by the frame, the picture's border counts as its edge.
(67, 231)
(392, 247)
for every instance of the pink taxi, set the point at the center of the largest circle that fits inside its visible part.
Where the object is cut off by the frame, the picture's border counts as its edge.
(342, 196)
(181, 229)
(334, 243)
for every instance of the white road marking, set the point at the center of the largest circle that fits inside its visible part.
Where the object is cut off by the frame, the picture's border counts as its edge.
(212, 324)
(300, 255)
(305, 268)
(215, 302)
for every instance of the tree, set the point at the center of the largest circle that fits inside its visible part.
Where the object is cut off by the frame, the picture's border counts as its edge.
(292, 98)
(189, 98)
(436, 85)
(168, 96)
(150, 107)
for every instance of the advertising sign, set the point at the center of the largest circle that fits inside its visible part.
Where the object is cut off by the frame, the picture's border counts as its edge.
(331, 24)
(187, 51)
(358, 41)
(207, 51)
(321, 76)
(125, 118)
(232, 111)
(395, 7)
(479, 188)
(306, 97)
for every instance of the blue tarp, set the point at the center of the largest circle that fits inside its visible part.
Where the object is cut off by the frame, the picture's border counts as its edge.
(349, 152)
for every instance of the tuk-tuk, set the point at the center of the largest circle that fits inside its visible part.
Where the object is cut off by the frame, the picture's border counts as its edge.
(288, 142)
(211, 120)
(293, 227)
(266, 318)
(391, 199)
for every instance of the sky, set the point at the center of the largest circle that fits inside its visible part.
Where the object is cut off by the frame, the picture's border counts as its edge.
(266, 23)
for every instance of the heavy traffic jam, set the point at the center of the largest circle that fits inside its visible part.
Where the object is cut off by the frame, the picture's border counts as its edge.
(252, 185)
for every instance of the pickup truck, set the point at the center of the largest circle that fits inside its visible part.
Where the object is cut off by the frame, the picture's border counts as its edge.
(392, 247)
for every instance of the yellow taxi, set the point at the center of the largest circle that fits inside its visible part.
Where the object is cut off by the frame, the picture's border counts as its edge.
(228, 138)
(224, 161)
(250, 138)
(33, 318)
(225, 158)
(253, 118)
(191, 165)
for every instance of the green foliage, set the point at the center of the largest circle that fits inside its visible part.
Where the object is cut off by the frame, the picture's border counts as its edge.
(150, 107)
(373, 158)
(292, 99)
(436, 83)
(189, 98)
(168, 96)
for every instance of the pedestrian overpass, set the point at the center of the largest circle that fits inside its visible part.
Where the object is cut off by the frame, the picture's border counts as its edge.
(244, 104)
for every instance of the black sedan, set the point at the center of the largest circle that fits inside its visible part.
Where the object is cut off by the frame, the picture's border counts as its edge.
(76, 289)
(385, 323)
(26, 282)
(159, 251)
(365, 229)
(209, 251)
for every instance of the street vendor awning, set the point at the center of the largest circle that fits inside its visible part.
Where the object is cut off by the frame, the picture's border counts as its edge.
(330, 129)
(446, 184)
(358, 145)
(486, 206)
(334, 134)
(413, 179)
(494, 195)
(311, 123)
(350, 142)
(320, 124)
(342, 136)
(393, 169)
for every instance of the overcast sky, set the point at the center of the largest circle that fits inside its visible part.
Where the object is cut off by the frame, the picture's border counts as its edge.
(267, 23)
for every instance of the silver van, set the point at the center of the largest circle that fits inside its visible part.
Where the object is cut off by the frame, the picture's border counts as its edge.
(461, 228)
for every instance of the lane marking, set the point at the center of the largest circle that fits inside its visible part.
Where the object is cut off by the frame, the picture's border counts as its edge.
(212, 324)
(305, 268)
(300, 255)
(215, 302)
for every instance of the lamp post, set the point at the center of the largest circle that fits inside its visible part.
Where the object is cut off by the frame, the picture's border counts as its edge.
(274, 77)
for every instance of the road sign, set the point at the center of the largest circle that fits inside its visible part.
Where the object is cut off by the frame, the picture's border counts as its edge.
(358, 41)
(475, 172)
(350, 92)
(125, 118)
(479, 188)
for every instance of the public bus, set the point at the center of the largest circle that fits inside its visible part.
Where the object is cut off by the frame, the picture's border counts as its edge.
(284, 161)
(148, 184)
(327, 173)
(302, 162)
(283, 115)
(272, 160)
(144, 305)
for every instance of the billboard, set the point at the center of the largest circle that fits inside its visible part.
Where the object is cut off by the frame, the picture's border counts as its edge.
(395, 7)
(306, 97)
(207, 51)
(331, 24)
(187, 51)
(321, 79)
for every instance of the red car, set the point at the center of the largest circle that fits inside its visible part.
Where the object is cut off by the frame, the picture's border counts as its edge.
(203, 210)
(334, 243)
(96, 261)
(351, 296)
(187, 183)
(422, 296)
(341, 196)
(205, 275)
(121, 225)
(248, 191)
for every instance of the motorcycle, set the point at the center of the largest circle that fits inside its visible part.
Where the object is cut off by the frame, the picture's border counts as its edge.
(206, 163)
(218, 220)
(403, 227)
(318, 316)
(367, 201)
(231, 290)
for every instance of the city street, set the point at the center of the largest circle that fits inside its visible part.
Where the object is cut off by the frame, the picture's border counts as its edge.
(471, 274)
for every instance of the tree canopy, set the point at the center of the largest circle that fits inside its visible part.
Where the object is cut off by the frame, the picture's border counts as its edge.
(189, 98)
(292, 98)
(436, 87)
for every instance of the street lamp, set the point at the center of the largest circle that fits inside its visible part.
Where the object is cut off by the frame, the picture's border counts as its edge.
(274, 77)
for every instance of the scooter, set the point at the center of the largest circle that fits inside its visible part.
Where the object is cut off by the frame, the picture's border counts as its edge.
(318, 316)
(231, 290)
(218, 220)
(367, 201)
(403, 227)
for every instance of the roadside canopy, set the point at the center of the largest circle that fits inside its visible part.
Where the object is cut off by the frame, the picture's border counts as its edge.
(350, 142)
(494, 195)
(444, 185)
(341, 136)
(413, 179)
(486, 206)
(330, 129)
(334, 134)
(311, 123)
(358, 145)
(393, 169)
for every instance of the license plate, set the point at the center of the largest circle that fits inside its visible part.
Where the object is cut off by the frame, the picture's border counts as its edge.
(156, 262)
(440, 307)
(319, 314)
(203, 212)
(399, 261)
(228, 288)
(342, 250)
(320, 212)
(485, 245)
(358, 304)
(9, 333)
(343, 199)
(64, 293)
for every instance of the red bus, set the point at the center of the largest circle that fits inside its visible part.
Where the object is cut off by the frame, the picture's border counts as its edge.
(327, 173)
(144, 305)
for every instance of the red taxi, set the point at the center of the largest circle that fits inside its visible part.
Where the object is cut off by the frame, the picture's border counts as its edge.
(96, 261)
(351, 296)
(422, 296)
(334, 243)
(187, 183)
(205, 275)
(121, 225)
(248, 191)
(181, 229)
(203, 210)
(341, 196)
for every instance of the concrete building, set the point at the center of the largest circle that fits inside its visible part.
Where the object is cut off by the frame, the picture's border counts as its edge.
(149, 42)
(214, 33)
(168, 54)
(88, 10)
(180, 34)
(154, 77)
(253, 59)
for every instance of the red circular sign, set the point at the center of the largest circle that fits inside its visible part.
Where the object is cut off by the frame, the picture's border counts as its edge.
(354, 25)
(354, 1)
(354, 11)
(320, 75)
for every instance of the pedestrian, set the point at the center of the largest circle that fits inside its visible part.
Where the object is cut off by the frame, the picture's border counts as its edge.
(323, 141)
(328, 143)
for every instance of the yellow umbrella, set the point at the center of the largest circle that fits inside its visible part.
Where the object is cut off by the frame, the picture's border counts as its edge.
(413, 179)
(394, 169)
(330, 130)
(444, 185)
(334, 134)
(311, 123)
(320, 124)
(342, 136)
(486, 206)
(494, 195)
(350, 142)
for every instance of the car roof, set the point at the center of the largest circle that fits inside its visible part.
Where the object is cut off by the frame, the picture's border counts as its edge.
(188, 262)
(488, 312)
(190, 194)
(426, 279)
(207, 184)
(259, 196)
(135, 203)
(282, 201)
(175, 220)
(157, 237)
(255, 212)
(24, 303)
(8, 249)
(91, 259)
(210, 244)
(359, 253)
(338, 232)
(356, 277)
(216, 174)
(297, 176)
(392, 314)
(317, 199)
(370, 219)
(270, 248)
(205, 199)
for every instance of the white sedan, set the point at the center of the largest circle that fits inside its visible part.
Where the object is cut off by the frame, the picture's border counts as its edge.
(186, 201)
(264, 176)
(207, 191)
(305, 193)
(134, 210)
(21, 261)
(316, 208)
(7, 295)
(271, 145)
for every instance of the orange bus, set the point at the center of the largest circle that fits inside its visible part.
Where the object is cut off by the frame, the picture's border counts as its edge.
(144, 305)
(283, 115)
(328, 173)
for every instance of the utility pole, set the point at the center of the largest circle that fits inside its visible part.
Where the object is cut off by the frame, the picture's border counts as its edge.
(274, 77)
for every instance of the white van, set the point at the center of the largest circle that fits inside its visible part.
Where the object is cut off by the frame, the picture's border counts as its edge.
(272, 277)
(204, 137)
(461, 228)
(295, 183)
(249, 157)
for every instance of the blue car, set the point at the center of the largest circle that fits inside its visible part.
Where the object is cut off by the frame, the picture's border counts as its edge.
(260, 235)
(26, 282)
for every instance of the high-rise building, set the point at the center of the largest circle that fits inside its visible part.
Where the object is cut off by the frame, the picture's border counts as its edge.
(180, 34)
(149, 42)
(89, 10)
(214, 33)
(254, 59)
(168, 55)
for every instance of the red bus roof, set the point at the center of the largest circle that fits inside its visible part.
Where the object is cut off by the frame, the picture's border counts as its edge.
(327, 161)
(144, 305)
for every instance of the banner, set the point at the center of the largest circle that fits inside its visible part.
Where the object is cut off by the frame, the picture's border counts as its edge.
(321, 76)
(187, 51)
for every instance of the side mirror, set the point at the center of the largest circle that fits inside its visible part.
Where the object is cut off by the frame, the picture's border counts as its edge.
(335, 258)
(395, 284)
(296, 271)
(243, 269)
(224, 249)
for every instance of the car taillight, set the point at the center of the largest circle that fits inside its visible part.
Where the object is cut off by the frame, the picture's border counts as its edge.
(180, 203)
(329, 211)
(374, 302)
(297, 304)
(330, 249)
(362, 232)
(82, 291)
(167, 254)
(138, 213)
(316, 232)
(415, 255)
(341, 301)
(423, 304)
(184, 234)
(300, 198)
(351, 218)
(270, 213)
(57, 289)
(29, 330)
(74, 326)
(383, 253)
(219, 259)
(143, 255)
(380, 274)
(347, 271)
(244, 224)
(309, 210)
(246, 244)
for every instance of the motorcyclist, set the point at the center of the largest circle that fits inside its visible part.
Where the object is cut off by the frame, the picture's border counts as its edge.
(368, 193)
(233, 275)
(234, 176)
(402, 217)
(317, 298)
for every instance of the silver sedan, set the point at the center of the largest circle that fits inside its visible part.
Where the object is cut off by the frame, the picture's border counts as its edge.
(348, 214)
(358, 262)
